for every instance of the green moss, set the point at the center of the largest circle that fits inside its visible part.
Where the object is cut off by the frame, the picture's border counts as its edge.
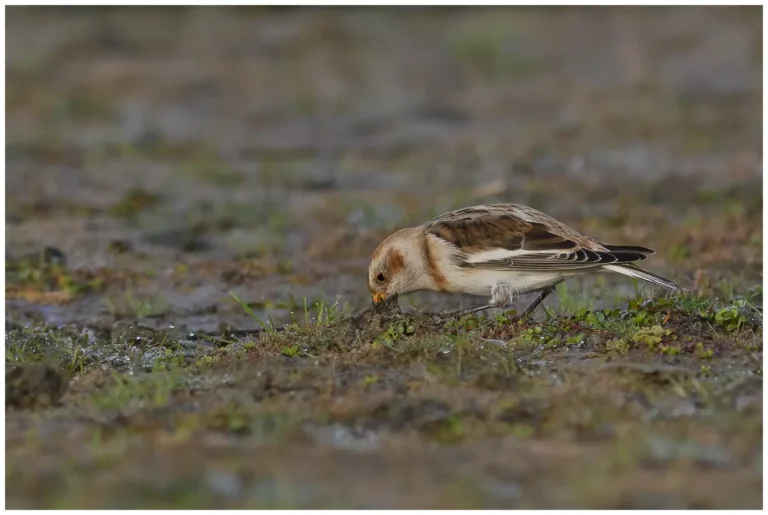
(619, 345)
(650, 336)
(394, 333)
(731, 318)
(670, 350)
(150, 390)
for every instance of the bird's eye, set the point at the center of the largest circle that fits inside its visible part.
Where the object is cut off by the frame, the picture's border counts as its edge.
(380, 277)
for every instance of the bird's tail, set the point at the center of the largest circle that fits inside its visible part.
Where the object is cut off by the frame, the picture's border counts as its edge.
(632, 270)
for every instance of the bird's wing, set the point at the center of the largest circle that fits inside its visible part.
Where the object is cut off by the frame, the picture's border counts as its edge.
(504, 238)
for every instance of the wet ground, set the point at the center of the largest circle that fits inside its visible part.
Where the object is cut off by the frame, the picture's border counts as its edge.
(182, 182)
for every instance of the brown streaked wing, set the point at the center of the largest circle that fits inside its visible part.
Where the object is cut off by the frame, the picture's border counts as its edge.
(472, 234)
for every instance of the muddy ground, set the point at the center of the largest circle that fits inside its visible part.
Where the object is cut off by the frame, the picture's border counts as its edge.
(192, 197)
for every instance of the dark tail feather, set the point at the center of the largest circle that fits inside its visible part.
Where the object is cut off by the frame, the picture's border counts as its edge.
(635, 271)
(633, 249)
(626, 256)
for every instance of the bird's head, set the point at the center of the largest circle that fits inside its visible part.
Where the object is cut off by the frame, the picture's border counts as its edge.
(394, 267)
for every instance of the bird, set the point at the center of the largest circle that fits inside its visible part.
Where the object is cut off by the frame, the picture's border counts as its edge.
(497, 251)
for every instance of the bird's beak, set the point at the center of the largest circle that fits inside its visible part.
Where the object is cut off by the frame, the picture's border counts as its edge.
(378, 297)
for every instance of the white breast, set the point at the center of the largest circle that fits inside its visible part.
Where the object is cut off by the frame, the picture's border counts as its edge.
(480, 282)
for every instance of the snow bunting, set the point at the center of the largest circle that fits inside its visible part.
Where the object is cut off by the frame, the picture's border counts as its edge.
(497, 251)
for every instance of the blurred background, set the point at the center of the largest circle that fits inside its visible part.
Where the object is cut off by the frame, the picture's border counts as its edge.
(159, 159)
(168, 156)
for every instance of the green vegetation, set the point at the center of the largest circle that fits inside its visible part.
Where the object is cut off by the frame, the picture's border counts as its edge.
(522, 373)
(45, 275)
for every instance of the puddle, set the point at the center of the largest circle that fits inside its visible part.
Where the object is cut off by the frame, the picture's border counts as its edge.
(342, 437)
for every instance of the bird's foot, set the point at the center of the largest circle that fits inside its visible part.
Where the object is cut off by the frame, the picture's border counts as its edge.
(543, 295)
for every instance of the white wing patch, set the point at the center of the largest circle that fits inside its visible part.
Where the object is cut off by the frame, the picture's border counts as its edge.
(499, 254)
(492, 255)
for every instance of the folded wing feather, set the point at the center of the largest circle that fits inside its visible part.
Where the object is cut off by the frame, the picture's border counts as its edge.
(506, 242)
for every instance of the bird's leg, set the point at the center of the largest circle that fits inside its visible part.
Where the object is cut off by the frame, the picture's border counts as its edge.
(500, 296)
(544, 294)
(470, 310)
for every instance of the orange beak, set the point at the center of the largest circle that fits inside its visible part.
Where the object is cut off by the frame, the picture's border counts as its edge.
(378, 297)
